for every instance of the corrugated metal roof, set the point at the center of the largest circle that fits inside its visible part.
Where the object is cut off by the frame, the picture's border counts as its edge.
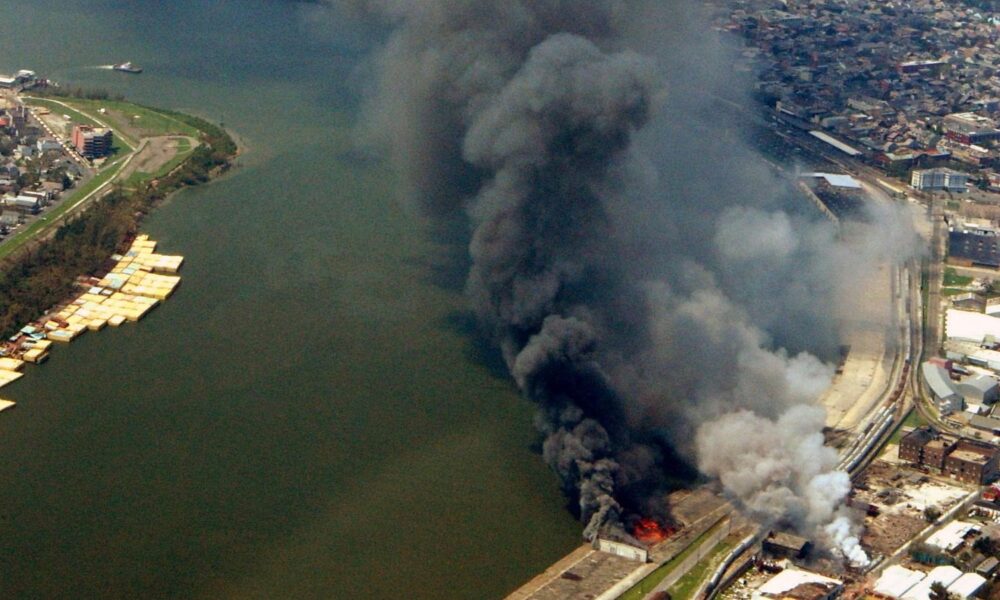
(939, 382)
(896, 581)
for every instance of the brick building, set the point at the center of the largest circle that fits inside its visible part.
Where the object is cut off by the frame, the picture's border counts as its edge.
(92, 142)
(965, 460)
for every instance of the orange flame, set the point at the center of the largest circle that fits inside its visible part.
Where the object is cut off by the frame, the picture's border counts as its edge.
(648, 531)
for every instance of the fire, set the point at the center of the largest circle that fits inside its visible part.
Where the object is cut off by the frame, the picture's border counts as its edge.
(649, 531)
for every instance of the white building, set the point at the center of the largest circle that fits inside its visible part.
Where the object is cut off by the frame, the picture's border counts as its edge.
(781, 584)
(930, 180)
(945, 575)
(951, 537)
(967, 586)
(896, 581)
(622, 549)
(965, 326)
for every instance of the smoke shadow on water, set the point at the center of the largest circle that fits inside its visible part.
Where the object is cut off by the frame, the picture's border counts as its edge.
(480, 348)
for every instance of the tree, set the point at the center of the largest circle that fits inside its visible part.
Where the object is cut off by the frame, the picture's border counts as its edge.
(939, 592)
(931, 514)
(985, 545)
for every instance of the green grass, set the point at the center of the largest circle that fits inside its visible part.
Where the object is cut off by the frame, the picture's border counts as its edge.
(149, 121)
(46, 219)
(74, 115)
(914, 419)
(686, 586)
(951, 291)
(953, 279)
(639, 590)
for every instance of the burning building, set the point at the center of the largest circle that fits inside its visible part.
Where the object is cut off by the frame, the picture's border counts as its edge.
(611, 261)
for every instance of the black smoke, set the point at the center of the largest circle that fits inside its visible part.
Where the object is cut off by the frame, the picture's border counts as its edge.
(640, 278)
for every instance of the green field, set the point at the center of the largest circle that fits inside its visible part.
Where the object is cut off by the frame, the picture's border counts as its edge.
(639, 590)
(25, 235)
(148, 121)
(953, 279)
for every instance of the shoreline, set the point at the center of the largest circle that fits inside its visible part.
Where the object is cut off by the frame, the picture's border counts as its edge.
(41, 273)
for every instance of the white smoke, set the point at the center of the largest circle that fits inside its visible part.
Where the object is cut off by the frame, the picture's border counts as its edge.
(844, 539)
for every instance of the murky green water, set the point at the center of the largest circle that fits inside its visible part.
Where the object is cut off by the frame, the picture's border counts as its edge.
(304, 418)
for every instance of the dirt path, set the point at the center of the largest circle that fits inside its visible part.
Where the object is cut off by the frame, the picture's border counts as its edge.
(155, 152)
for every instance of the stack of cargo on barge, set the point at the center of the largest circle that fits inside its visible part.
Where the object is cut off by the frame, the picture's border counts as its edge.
(129, 286)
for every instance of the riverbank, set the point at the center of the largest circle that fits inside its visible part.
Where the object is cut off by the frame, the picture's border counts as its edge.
(42, 269)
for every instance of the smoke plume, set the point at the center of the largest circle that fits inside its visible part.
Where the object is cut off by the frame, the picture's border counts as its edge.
(659, 293)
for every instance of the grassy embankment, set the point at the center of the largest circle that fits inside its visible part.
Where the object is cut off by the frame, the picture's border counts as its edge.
(687, 585)
(644, 587)
(912, 420)
(44, 273)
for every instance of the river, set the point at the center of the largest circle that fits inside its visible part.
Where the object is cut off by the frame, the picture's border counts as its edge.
(307, 417)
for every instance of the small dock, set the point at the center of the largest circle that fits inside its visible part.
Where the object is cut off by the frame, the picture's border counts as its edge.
(127, 287)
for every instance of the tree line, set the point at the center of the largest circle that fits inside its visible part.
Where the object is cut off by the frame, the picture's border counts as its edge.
(34, 280)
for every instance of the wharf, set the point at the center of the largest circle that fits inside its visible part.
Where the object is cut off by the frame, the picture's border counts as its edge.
(127, 287)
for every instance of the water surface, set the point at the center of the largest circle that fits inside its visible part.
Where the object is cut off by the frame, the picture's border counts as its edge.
(305, 417)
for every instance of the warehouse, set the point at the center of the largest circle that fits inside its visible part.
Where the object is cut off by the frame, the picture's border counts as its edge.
(945, 393)
(799, 584)
(964, 326)
(896, 581)
(945, 575)
(979, 389)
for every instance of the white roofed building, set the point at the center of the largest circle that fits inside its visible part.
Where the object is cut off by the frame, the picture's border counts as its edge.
(951, 537)
(814, 586)
(896, 581)
(967, 586)
(945, 575)
(964, 326)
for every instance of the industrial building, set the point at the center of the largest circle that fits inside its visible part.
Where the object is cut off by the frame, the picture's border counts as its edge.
(952, 536)
(799, 584)
(935, 180)
(962, 459)
(92, 142)
(780, 544)
(970, 128)
(946, 395)
(979, 389)
(842, 194)
(631, 551)
(972, 245)
(965, 326)
(900, 583)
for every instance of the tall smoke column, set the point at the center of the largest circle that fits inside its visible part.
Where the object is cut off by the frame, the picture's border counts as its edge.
(631, 312)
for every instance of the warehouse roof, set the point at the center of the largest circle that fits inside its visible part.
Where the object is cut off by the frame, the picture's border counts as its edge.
(981, 382)
(969, 326)
(839, 145)
(967, 586)
(789, 579)
(896, 581)
(980, 249)
(939, 381)
(945, 575)
(952, 535)
(837, 180)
